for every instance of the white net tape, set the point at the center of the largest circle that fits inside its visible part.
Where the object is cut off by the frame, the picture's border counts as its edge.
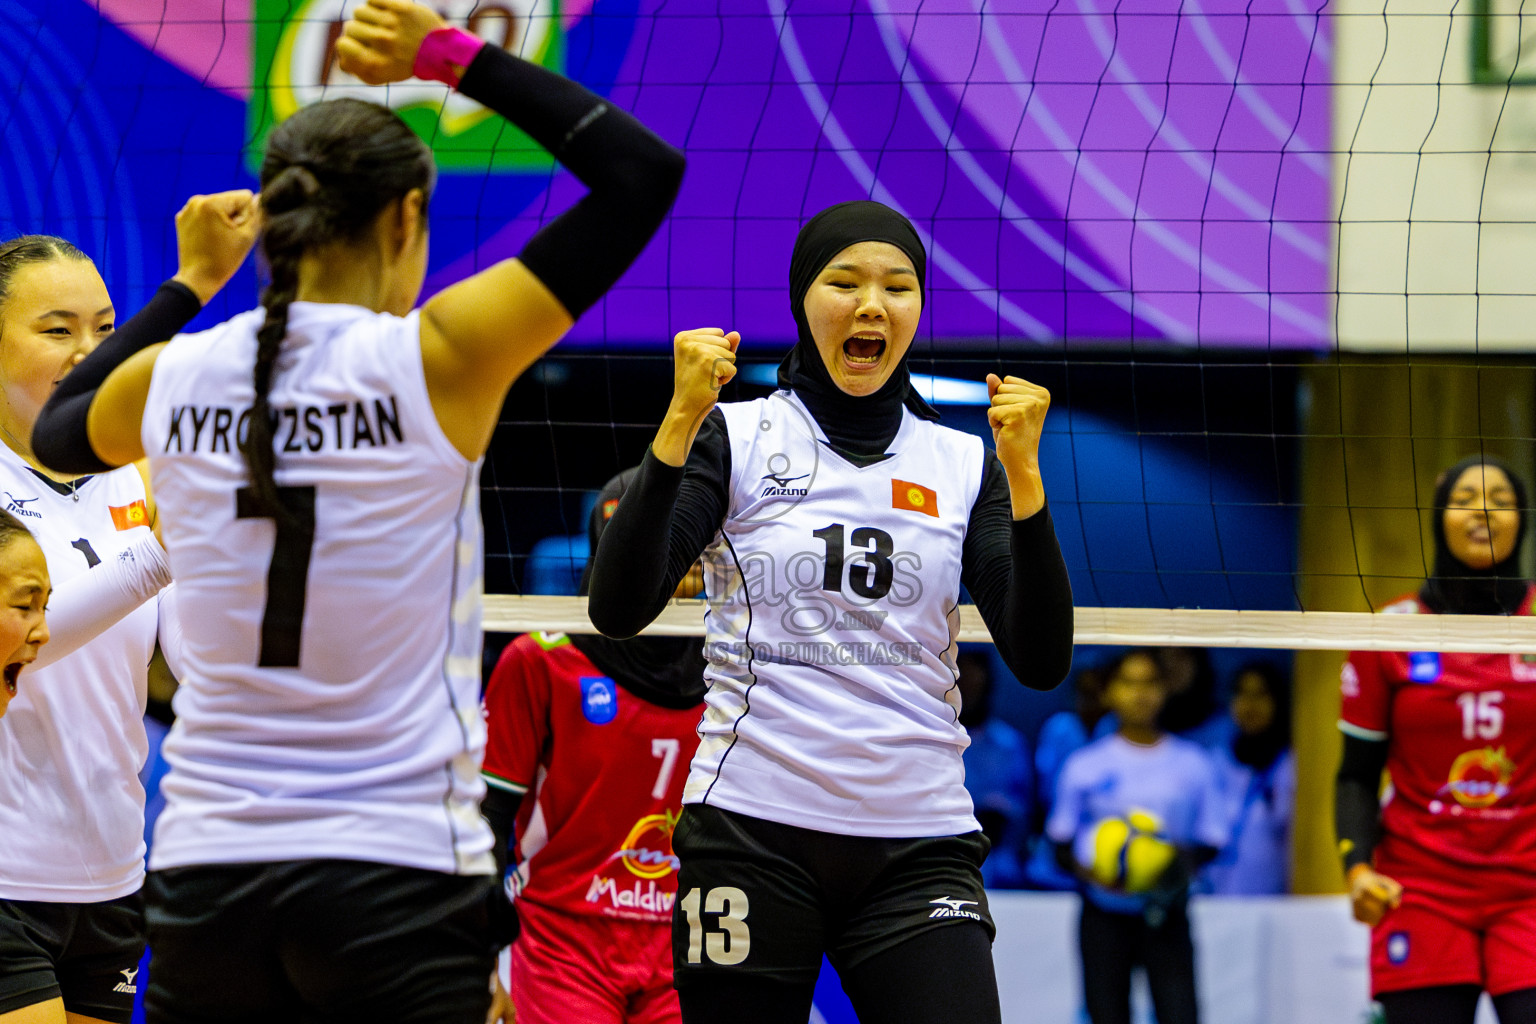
(1177, 627)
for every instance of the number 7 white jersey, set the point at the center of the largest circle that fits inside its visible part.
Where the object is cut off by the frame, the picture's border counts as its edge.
(330, 704)
(831, 629)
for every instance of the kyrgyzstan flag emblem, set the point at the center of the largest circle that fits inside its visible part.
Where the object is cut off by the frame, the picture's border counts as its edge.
(126, 517)
(914, 498)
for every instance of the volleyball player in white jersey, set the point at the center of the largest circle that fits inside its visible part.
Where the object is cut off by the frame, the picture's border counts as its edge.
(71, 806)
(321, 855)
(24, 592)
(826, 808)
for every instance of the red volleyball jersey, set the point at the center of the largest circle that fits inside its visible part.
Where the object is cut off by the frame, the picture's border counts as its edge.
(1461, 754)
(603, 771)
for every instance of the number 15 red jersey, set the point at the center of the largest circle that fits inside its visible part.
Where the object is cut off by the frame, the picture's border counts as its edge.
(1461, 735)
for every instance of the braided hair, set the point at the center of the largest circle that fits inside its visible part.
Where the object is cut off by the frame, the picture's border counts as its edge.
(328, 172)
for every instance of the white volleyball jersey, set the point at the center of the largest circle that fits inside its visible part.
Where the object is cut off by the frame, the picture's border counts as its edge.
(330, 702)
(830, 631)
(72, 743)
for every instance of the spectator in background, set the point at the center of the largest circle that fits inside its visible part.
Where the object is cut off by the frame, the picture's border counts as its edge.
(1138, 772)
(1257, 775)
(997, 774)
(1192, 710)
(1060, 736)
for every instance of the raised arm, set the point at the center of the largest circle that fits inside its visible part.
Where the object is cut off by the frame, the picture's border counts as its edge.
(91, 422)
(480, 334)
(1015, 573)
(678, 499)
(1011, 562)
(668, 517)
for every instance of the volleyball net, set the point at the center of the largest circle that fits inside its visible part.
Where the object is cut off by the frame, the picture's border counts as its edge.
(1272, 262)
(1142, 627)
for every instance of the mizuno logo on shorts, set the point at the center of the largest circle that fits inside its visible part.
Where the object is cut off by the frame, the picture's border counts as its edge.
(951, 907)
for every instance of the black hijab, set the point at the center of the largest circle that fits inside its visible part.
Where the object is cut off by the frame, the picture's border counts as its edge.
(858, 425)
(1260, 750)
(665, 670)
(1455, 587)
(1193, 705)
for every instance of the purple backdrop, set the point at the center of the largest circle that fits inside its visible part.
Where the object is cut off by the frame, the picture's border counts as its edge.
(1150, 170)
(1078, 174)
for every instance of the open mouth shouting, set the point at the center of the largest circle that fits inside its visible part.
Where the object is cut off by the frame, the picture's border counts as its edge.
(13, 672)
(863, 351)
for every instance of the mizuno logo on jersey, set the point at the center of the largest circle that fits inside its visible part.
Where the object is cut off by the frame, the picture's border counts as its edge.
(951, 907)
(128, 985)
(15, 506)
(778, 486)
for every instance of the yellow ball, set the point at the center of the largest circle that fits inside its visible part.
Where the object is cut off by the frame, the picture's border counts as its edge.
(1109, 838)
(1130, 853)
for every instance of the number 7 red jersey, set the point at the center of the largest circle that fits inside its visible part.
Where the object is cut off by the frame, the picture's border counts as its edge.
(1461, 754)
(603, 771)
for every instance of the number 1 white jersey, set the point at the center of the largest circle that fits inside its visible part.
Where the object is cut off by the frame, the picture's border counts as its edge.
(330, 702)
(831, 625)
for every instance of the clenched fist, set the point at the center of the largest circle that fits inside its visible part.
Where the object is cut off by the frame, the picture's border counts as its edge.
(379, 42)
(1372, 894)
(214, 234)
(703, 362)
(1017, 417)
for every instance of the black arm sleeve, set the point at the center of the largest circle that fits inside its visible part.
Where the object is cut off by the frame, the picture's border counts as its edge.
(500, 810)
(1018, 579)
(59, 438)
(668, 517)
(632, 174)
(1357, 799)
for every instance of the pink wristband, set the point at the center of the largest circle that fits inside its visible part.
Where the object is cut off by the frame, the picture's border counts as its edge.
(444, 53)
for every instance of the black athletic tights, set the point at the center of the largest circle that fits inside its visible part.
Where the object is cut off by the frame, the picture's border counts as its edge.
(903, 985)
(1112, 945)
(1455, 1004)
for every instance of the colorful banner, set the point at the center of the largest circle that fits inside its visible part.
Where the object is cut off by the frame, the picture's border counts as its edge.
(1084, 173)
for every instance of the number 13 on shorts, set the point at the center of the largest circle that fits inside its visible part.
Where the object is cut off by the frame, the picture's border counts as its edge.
(731, 941)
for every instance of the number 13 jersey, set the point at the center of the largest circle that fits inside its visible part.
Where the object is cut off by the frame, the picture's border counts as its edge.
(330, 700)
(830, 631)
